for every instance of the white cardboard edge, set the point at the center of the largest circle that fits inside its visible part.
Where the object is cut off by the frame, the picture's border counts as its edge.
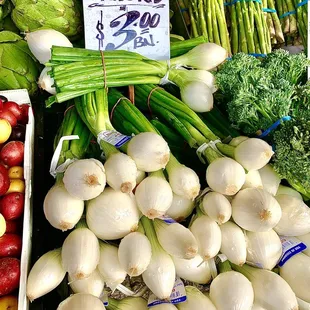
(21, 96)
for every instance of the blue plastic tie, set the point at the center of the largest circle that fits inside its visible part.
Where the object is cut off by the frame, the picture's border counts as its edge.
(267, 10)
(287, 14)
(235, 1)
(274, 126)
(302, 3)
(184, 10)
(258, 55)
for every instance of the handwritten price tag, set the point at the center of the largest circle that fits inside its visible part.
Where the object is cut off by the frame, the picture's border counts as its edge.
(140, 26)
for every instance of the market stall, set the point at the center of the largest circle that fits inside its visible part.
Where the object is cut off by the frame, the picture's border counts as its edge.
(154, 155)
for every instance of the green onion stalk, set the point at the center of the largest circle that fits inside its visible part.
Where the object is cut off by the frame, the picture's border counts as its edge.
(302, 20)
(182, 119)
(208, 20)
(249, 31)
(181, 47)
(77, 72)
(94, 111)
(61, 209)
(73, 149)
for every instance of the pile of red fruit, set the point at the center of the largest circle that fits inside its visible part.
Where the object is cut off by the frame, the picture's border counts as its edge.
(13, 120)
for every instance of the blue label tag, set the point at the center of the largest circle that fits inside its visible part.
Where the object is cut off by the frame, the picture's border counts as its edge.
(290, 247)
(177, 296)
(113, 137)
(167, 219)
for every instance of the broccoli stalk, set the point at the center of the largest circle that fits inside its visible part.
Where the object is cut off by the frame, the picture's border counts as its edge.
(292, 156)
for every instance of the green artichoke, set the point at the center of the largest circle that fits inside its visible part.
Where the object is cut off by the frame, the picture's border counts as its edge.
(5, 9)
(18, 67)
(61, 15)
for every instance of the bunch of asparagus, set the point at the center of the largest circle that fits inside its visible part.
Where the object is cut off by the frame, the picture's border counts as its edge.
(208, 19)
(273, 23)
(302, 19)
(287, 14)
(249, 30)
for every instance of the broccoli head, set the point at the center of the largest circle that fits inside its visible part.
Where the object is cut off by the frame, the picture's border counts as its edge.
(292, 154)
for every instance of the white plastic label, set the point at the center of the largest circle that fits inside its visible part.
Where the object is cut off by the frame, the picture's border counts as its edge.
(290, 247)
(167, 219)
(141, 26)
(177, 296)
(104, 298)
(113, 137)
(61, 168)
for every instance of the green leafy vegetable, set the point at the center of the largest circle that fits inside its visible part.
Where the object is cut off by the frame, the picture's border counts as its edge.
(18, 67)
(254, 98)
(292, 156)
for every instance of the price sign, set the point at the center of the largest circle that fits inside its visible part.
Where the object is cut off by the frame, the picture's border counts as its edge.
(140, 26)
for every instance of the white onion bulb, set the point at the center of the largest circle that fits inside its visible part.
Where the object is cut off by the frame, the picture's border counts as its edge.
(62, 210)
(208, 236)
(149, 151)
(217, 207)
(81, 302)
(80, 253)
(45, 275)
(93, 285)
(112, 215)
(46, 82)
(135, 253)
(194, 270)
(253, 153)
(264, 249)
(198, 96)
(233, 243)
(270, 179)
(224, 175)
(85, 179)
(121, 172)
(196, 300)
(256, 210)
(154, 196)
(295, 220)
(176, 239)
(296, 272)
(41, 41)
(252, 180)
(232, 290)
(109, 266)
(180, 208)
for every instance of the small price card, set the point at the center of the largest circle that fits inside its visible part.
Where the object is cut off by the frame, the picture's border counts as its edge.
(140, 26)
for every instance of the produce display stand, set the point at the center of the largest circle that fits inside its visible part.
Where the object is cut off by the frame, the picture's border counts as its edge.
(101, 102)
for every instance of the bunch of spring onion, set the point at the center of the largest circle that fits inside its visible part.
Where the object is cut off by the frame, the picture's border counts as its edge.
(251, 154)
(273, 22)
(148, 152)
(208, 19)
(249, 31)
(62, 209)
(76, 72)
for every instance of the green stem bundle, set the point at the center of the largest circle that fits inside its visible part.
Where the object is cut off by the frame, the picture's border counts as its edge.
(249, 30)
(208, 20)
